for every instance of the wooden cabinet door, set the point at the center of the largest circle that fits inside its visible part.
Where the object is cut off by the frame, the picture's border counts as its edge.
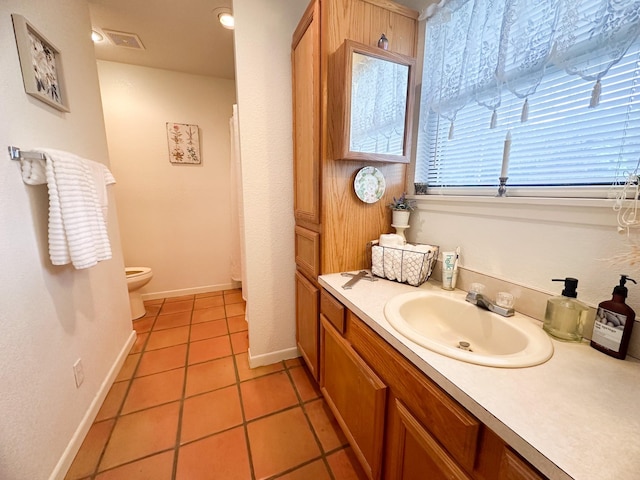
(307, 311)
(415, 454)
(356, 396)
(305, 66)
(513, 467)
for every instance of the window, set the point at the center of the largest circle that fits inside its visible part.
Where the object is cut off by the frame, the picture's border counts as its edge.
(532, 79)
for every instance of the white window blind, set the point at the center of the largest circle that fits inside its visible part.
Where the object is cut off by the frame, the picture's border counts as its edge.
(563, 142)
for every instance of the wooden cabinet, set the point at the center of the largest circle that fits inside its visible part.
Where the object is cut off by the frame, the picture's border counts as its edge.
(415, 453)
(332, 225)
(426, 433)
(307, 301)
(355, 395)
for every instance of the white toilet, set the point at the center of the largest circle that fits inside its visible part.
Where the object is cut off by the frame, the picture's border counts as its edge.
(137, 277)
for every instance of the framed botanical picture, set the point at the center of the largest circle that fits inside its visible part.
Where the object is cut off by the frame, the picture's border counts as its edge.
(184, 143)
(41, 65)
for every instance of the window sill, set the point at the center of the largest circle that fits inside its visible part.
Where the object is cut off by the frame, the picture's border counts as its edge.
(581, 211)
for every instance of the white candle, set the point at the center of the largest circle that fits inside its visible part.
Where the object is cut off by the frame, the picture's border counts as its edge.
(505, 155)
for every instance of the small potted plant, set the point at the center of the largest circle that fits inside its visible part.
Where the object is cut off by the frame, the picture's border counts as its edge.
(401, 209)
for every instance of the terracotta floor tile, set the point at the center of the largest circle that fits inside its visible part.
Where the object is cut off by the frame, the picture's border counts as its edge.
(305, 384)
(208, 302)
(180, 298)
(209, 294)
(210, 413)
(345, 465)
(168, 338)
(313, 471)
(280, 442)
(247, 373)
(231, 291)
(113, 401)
(240, 342)
(138, 345)
(88, 456)
(152, 310)
(215, 328)
(157, 361)
(176, 307)
(294, 362)
(209, 349)
(230, 462)
(207, 376)
(208, 314)
(268, 394)
(325, 425)
(173, 320)
(234, 297)
(128, 367)
(153, 390)
(155, 301)
(237, 324)
(235, 309)
(144, 324)
(142, 433)
(157, 467)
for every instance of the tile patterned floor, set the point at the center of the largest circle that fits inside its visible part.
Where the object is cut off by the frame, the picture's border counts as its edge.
(186, 406)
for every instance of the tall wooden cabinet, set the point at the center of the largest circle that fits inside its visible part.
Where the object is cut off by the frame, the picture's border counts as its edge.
(332, 225)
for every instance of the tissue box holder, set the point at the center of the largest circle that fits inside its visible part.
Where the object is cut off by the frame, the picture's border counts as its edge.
(404, 266)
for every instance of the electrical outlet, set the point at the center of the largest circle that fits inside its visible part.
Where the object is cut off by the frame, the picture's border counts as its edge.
(78, 372)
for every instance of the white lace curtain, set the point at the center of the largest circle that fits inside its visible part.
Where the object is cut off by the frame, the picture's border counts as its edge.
(475, 48)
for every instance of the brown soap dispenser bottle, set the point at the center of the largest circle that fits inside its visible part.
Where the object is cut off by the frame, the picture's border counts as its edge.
(614, 321)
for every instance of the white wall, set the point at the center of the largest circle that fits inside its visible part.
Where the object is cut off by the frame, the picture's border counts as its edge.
(51, 316)
(528, 242)
(174, 218)
(263, 76)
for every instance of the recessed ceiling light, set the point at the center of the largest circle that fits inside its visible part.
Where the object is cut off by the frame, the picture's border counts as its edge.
(226, 20)
(96, 37)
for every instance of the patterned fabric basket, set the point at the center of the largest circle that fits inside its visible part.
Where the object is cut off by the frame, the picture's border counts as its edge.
(403, 265)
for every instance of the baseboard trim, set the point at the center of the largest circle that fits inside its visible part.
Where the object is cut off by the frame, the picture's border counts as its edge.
(191, 291)
(75, 443)
(272, 357)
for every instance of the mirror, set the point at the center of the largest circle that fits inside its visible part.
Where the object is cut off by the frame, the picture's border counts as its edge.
(378, 104)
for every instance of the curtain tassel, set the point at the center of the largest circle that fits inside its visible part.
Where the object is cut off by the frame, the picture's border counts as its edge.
(595, 95)
(451, 131)
(524, 115)
(494, 119)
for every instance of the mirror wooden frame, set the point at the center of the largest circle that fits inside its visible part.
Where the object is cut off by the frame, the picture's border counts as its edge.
(344, 134)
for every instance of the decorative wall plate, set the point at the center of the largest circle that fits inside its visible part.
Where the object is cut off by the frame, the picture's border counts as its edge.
(369, 184)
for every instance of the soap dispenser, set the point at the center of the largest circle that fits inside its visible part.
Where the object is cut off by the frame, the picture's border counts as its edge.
(614, 322)
(565, 316)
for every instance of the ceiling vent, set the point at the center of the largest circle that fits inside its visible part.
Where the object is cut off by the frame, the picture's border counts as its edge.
(122, 39)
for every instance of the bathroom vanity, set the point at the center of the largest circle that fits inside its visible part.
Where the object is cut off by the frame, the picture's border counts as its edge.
(409, 412)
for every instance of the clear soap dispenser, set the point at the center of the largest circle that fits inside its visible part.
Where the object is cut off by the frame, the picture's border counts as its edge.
(565, 316)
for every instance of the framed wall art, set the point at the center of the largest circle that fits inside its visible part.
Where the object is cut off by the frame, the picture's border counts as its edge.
(184, 143)
(41, 65)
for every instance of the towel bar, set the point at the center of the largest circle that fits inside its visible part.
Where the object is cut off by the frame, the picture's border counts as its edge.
(16, 154)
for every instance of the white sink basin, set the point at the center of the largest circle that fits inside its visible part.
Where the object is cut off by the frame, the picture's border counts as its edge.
(440, 322)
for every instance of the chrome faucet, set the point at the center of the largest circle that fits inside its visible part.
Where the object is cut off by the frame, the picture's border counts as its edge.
(483, 302)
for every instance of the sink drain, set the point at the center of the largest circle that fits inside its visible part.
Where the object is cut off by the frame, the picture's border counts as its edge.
(464, 346)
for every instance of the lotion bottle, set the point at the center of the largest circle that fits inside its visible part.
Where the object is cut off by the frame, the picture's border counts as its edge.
(614, 322)
(565, 316)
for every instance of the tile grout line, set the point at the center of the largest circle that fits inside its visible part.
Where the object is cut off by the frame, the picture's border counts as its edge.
(126, 394)
(322, 456)
(176, 449)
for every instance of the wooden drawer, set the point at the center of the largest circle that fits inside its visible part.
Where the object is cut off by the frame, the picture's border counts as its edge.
(333, 310)
(307, 245)
(455, 428)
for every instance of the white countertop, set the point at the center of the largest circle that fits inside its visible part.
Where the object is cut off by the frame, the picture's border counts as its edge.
(575, 416)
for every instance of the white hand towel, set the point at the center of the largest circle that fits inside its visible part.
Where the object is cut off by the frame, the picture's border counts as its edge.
(77, 203)
(391, 240)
